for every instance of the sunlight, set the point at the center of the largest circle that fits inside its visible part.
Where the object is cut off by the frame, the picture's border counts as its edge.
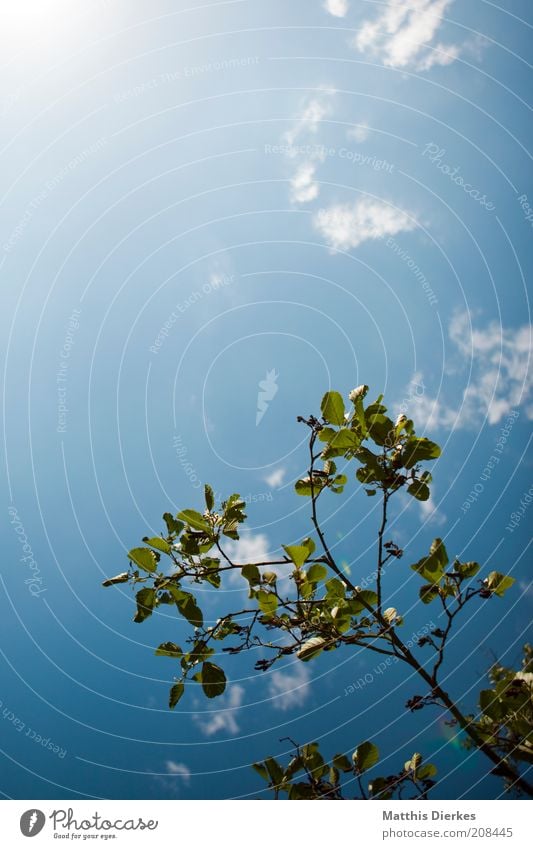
(24, 23)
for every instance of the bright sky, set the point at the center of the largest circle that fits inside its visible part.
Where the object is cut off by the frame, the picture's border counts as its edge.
(211, 213)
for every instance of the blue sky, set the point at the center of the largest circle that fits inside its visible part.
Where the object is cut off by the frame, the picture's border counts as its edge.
(208, 204)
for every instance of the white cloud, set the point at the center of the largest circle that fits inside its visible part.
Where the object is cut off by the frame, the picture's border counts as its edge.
(502, 376)
(168, 785)
(224, 719)
(304, 187)
(527, 589)
(180, 770)
(402, 35)
(443, 54)
(359, 133)
(250, 548)
(429, 512)
(289, 689)
(496, 360)
(313, 112)
(275, 479)
(337, 8)
(429, 413)
(346, 226)
(254, 548)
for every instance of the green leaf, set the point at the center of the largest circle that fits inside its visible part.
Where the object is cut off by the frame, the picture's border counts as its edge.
(307, 589)
(313, 760)
(360, 415)
(316, 573)
(209, 497)
(145, 599)
(262, 770)
(419, 490)
(200, 651)
(380, 429)
(498, 583)
(432, 568)
(426, 771)
(333, 408)
(270, 578)
(467, 570)
(335, 588)
(123, 578)
(212, 576)
(252, 574)
(303, 487)
(371, 462)
(233, 516)
(187, 606)
(293, 767)
(438, 549)
(159, 543)
(341, 616)
(213, 680)
(300, 553)
(267, 602)
(176, 693)
(311, 648)
(340, 440)
(342, 763)
(274, 770)
(416, 450)
(379, 788)
(428, 592)
(169, 650)
(413, 764)
(356, 604)
(174, 527)
(194, 520)
(365, 756)
(369, 474)
(301, 791)
(144, 558)
(491, 705)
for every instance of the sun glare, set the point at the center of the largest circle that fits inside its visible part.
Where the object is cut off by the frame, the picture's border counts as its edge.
(24, 23)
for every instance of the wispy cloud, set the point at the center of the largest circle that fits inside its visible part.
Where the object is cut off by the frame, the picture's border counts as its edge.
(403, 35)
(304, 186)
(250, 548)
(337, 8)
(179, 770)
(168, 786)
(526, 589)
(225, 718)
(254, 548)
(429, 512)
(429, 413)
(502, 375)
(289, 689)
(500, 379)
(313, 111)
(359, 133)
(346, 226)
(275, 478)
